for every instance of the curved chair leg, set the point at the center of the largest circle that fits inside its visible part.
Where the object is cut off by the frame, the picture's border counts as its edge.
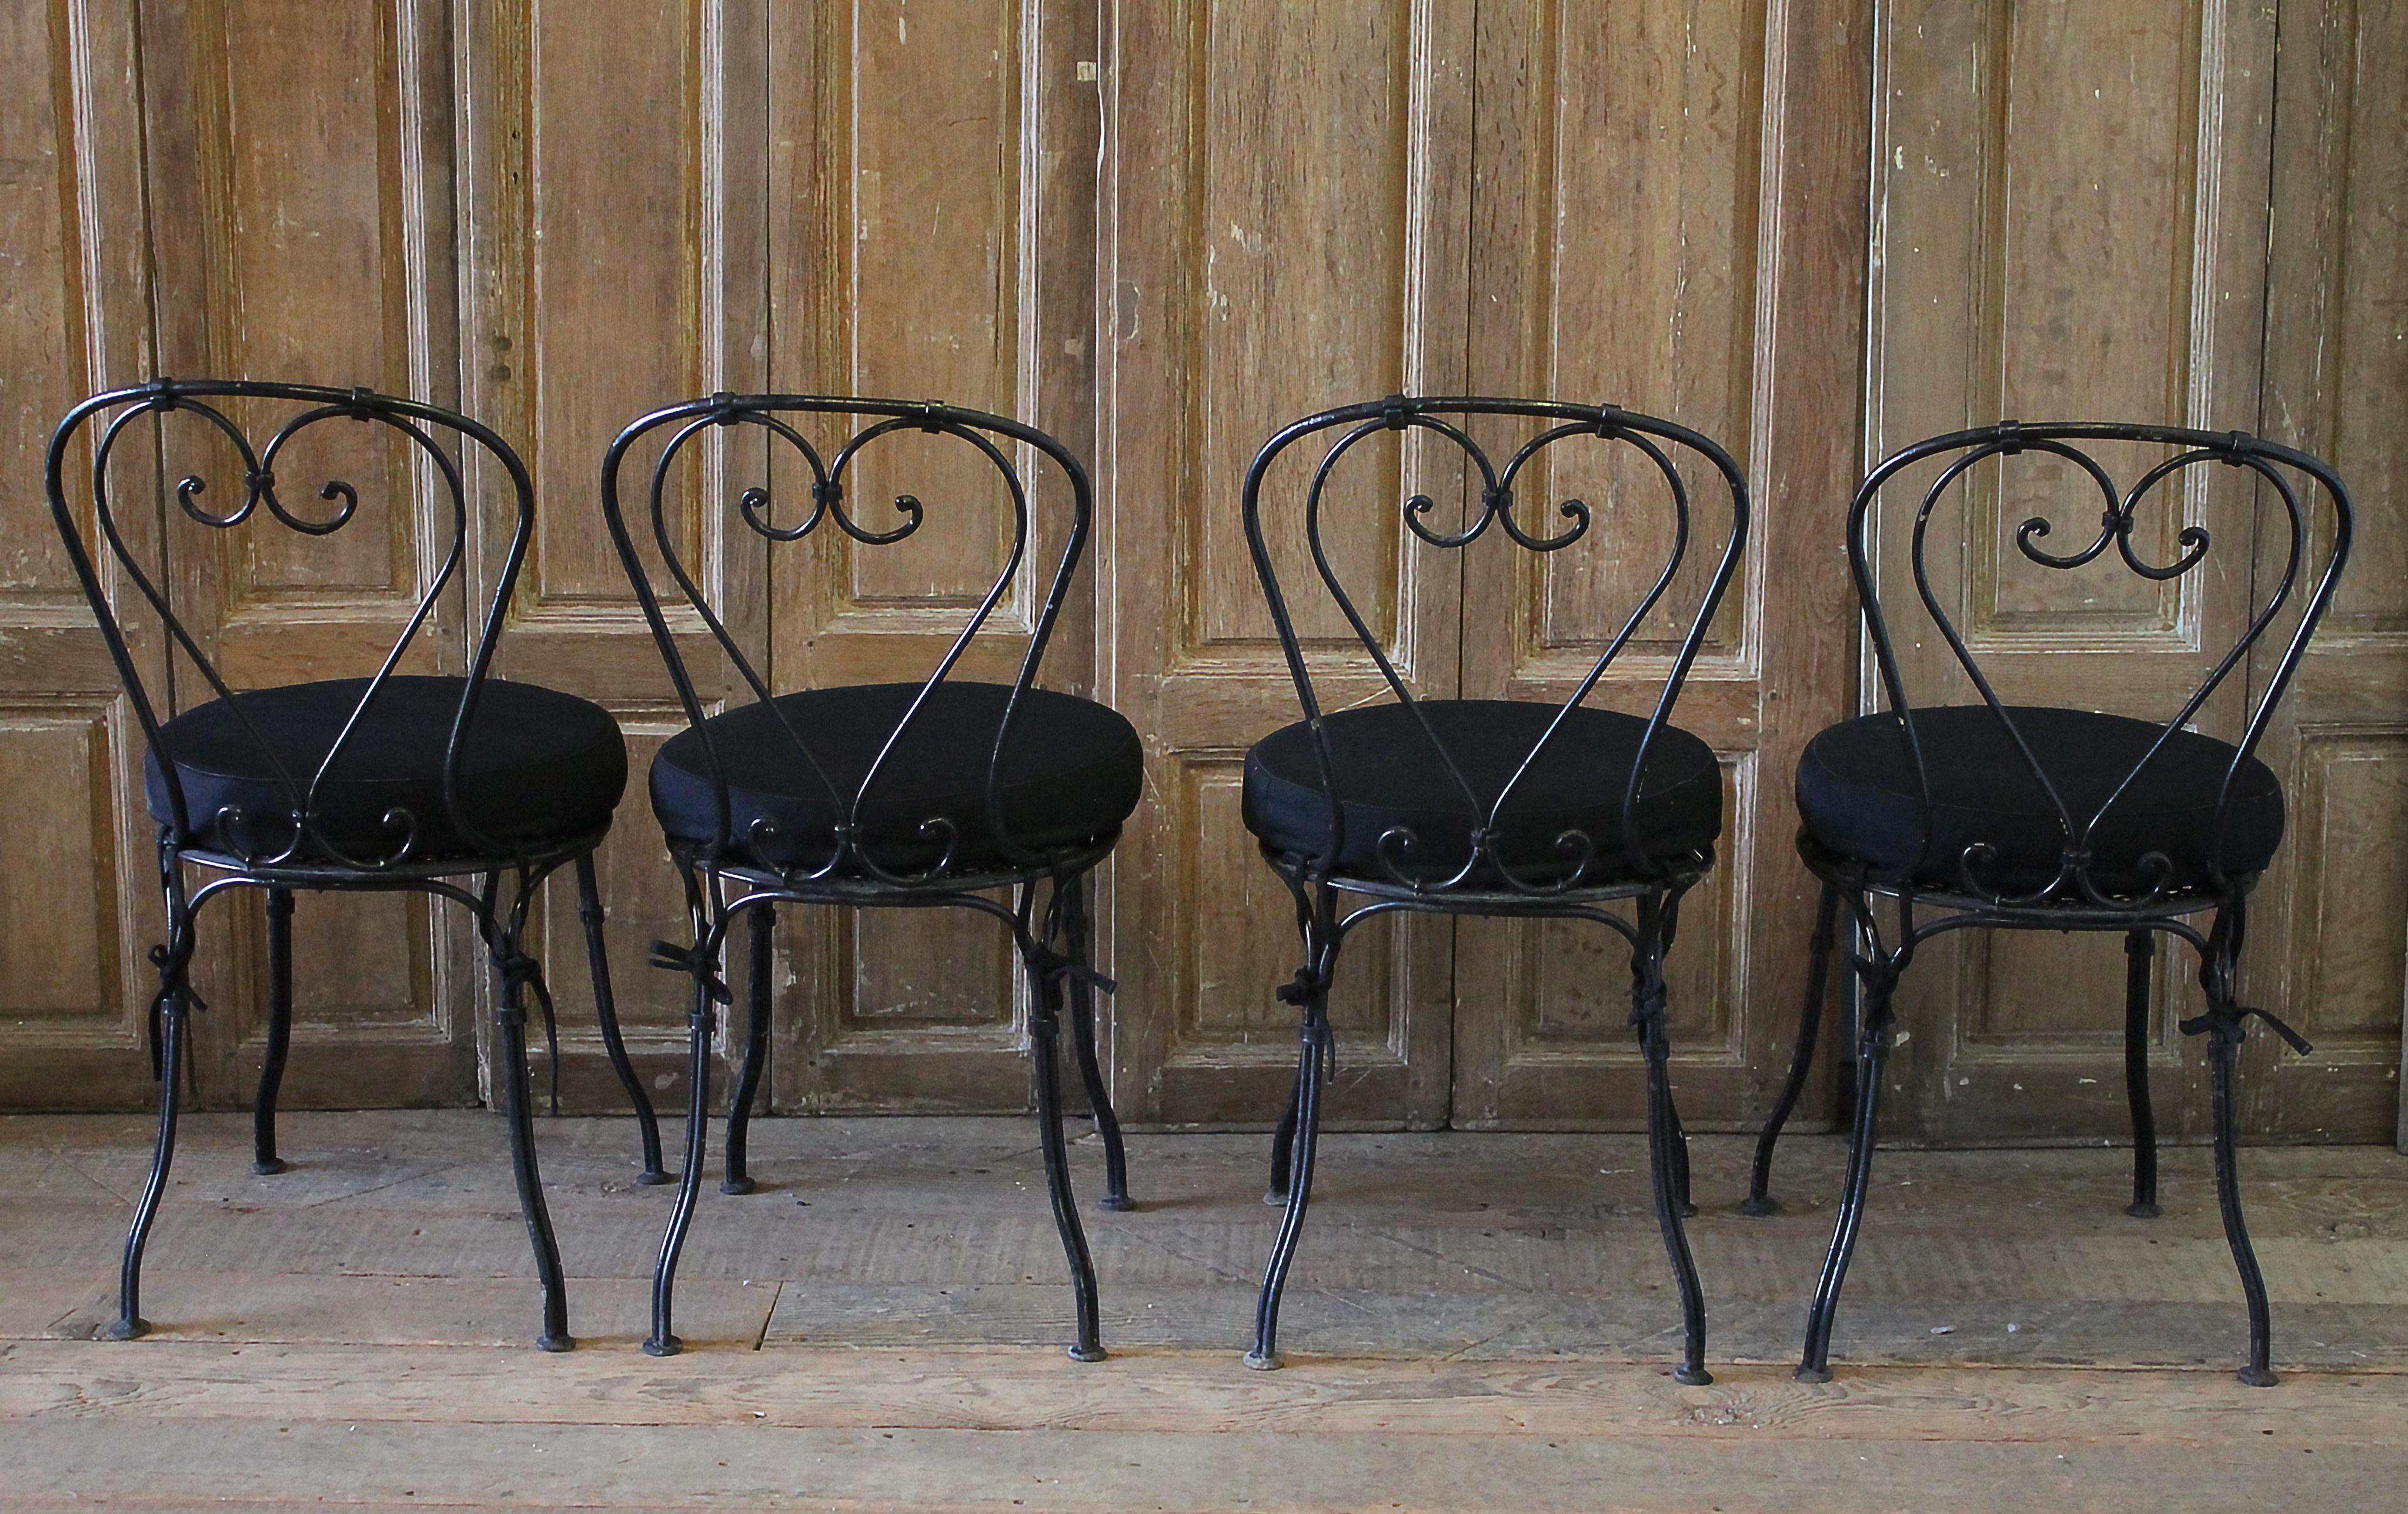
(1311, 1076)
(1082, 1029)
(130, 1322)
(606, 1011)
(2223, 1047)
(756, 1052)
(1284, 1143)
(1666, 1158)
(2140, 949)
(1873, 1060)
(518, 1106)
(663, 1340)
(1759, 1200)
(1044, 1031)
(263, 1159)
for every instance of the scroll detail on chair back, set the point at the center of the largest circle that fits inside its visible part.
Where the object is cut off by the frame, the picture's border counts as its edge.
(391, 781)
(910, 795)
(2014, 815)
(1493, 806)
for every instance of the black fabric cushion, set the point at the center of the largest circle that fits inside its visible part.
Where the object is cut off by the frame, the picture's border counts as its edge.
(1389, 776)
(1071, 775)
(1857, 793)
(536, 765)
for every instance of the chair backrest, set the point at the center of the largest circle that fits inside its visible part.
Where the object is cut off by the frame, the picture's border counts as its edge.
(982, 437)
(1663, 445)
(1962, 452)
(432, 434)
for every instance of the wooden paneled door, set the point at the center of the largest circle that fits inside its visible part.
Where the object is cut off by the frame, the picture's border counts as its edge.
(618, 267)
(1639, 205)
(931, 235)
(80, 906)
(1287, 198)
(301, 229)
(2110, 266)
(1659, 189)
(2325, 947)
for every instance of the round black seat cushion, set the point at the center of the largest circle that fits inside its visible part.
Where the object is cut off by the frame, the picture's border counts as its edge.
(1071, 775)
(1857, 791)
(536, 765)
(1390, 777)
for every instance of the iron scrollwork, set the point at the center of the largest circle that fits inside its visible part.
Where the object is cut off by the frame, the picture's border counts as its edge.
(1577, 861)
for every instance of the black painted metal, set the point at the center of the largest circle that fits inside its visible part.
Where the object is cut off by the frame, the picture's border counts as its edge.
(1589, 879)
(264, 1161)
(309, 859)
(2139, 956)
(756, 1052)
(724, 880)
(2073, 900)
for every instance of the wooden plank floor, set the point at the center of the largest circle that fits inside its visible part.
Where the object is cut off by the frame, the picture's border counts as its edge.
(1476, 1321)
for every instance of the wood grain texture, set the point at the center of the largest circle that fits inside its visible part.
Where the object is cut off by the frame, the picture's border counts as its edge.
(2110, 266)
(1285, 223)
(1479, 1336)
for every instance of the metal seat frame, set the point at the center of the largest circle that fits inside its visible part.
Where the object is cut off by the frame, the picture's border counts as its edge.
(728, 878)
(1585, 878)
(192, 874)
(2073, 900)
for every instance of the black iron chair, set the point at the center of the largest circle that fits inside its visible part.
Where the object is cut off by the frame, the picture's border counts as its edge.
(1484, 806)
(2032, 817)
(383, 783)
(888, 795)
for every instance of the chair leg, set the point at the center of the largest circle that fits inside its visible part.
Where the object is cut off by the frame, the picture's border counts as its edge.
(518, 1106)
(606, 1011)
(756, 1052)
(1284, 1143)
(663, 1340)
(1873, 1059)
(1759, 1200)
(2140, 949)
(130, 1323)
(1679, 1154)
(1311, 1076)
(2223, 1048)
(1044, 1035)
(1667, 1161)
(263, 1159)
(1083, 1029)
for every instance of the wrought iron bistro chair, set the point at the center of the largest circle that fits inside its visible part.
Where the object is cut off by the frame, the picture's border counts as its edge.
(885, 795)
(2031, 817)
(392, 781)
(1485, 806)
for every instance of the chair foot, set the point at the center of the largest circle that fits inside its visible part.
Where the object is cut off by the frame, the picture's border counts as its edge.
(1688, 1210)
(2142, 1211)
(1692, 1376)
(1085, 1354)
(2258, 1377)
(655, 1178)
(1807, 1373)
(1275, 1197)
(1261, 1361)
(555, 1343)
(1758, 1205)
(737, 1185)
(1118, 1203)
(663, 1345)
(269, 1168)
(133, 1328)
